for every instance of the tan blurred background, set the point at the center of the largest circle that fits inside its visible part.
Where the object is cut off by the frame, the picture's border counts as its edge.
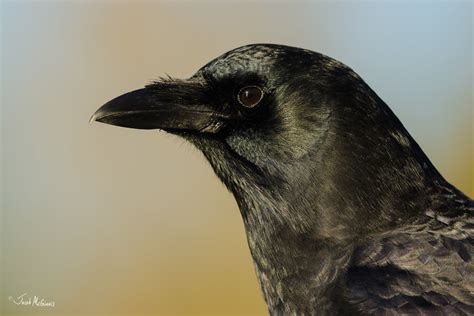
(108, 221)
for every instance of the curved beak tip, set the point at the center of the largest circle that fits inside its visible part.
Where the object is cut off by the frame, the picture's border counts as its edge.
(96, 117)
(92, 119)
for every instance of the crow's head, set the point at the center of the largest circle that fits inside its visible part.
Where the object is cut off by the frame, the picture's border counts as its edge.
(298, 137)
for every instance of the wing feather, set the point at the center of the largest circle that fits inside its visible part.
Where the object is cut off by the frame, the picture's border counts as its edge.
(424, 268)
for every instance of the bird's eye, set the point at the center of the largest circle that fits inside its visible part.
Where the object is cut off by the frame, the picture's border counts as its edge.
(250, 96)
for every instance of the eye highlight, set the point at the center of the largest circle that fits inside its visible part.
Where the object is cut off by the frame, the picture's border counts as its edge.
(250, 96)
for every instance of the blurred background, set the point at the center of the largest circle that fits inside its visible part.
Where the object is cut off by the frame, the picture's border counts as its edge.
(110, 221)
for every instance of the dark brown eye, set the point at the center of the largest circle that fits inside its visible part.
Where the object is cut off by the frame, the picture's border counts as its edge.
(250, 96)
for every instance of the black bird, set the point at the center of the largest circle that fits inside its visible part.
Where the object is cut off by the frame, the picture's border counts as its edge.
(344, 213)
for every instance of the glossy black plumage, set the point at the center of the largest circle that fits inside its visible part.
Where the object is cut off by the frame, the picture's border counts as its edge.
(344, 213)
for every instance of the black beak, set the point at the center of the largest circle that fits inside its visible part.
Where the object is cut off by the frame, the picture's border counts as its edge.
(169, 105)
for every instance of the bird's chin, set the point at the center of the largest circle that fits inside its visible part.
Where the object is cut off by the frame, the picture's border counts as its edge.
(200, 139)
(185, 133)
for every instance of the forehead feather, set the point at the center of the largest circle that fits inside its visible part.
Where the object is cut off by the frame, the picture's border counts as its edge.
(250, 58)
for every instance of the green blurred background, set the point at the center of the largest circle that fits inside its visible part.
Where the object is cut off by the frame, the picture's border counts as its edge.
(109, 221)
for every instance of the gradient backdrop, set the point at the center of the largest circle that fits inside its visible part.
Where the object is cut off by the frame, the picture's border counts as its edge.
(109, 221)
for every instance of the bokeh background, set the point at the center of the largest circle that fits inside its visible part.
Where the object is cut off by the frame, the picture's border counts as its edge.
(110, 221)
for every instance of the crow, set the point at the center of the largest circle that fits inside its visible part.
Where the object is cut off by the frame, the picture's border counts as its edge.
(344, 213)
